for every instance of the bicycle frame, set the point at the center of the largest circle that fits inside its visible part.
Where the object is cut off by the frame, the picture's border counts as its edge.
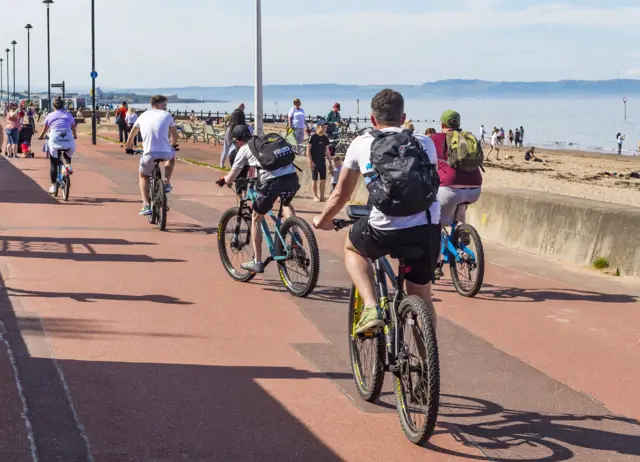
(252, 195)
(447, 248)
(384, 272)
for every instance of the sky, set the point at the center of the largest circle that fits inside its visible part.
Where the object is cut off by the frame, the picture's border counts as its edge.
(170, 43)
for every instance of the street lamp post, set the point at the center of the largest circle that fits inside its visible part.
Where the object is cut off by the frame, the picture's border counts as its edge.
(2, 80)
(14, 43)
(48, 3)
(8, 50)
(28, 27)
(94, 127)
(258, 103)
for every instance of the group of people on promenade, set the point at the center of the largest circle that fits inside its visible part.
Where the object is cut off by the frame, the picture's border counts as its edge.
(19, 127)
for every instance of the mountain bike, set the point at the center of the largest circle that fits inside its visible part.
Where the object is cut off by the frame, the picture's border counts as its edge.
(465, 264)
(414, 364)
(63, 180)
(299, 267)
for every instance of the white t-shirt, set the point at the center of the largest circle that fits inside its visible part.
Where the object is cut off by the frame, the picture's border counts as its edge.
(245, 157)
(494, 139)
(358, 157)
(298, 117)
(154, 128)
(482, 132)
(131, 117)
(620, 139)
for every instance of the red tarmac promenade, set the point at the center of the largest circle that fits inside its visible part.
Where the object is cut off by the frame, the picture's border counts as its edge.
(123, 343)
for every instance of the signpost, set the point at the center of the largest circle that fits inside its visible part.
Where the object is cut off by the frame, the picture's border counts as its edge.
(59, 85)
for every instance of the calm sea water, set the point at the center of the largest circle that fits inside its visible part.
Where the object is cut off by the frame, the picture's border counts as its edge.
(581, 124)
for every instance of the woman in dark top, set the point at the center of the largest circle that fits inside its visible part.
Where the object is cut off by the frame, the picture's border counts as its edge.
(318, 153)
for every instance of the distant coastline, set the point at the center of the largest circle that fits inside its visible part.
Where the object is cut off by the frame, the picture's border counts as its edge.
(441, 89)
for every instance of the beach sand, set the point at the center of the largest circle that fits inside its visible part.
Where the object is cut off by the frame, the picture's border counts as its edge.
(570, 173)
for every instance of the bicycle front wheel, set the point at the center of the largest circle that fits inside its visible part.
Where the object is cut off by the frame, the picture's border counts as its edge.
(234, 243)
(366, 351)
(300, 270)
(467, 270)
(418, 378)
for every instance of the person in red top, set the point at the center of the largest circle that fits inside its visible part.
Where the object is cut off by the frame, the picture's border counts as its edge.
(456, 187)
(121, 122)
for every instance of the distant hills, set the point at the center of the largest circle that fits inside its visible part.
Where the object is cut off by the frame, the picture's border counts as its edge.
(439, 89)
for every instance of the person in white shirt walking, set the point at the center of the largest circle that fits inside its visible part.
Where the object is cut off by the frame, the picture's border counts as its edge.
(495, 140)
(297, 121)
(482, 133)
(131, 119)
(155, 126)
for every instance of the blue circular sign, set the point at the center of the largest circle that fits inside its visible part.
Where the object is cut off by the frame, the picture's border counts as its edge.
(94, 75)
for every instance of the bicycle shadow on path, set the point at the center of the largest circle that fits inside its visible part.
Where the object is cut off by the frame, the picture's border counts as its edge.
(497, 293)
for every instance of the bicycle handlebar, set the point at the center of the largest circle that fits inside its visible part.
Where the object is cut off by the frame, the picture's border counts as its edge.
(339, 224)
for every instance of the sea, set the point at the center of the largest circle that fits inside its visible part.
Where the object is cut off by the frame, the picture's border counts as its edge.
(584, 124)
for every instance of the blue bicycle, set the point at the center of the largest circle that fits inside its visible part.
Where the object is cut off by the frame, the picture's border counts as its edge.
(462, 250)
(293, 245)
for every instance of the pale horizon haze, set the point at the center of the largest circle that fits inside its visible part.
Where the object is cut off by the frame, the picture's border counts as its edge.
(162, 43)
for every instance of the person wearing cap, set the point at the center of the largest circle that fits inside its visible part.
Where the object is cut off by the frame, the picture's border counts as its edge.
(318, 154)
(282, 184)
(297, 122)
(456, 186)
(333, 119)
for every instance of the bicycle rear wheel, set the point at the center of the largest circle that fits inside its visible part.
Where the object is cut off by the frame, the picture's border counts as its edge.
(468, 273)
(299, 272)
(66, 187)
(153, 218)
(366, 352)
(161, 206)
(234, 243)
(418, 378)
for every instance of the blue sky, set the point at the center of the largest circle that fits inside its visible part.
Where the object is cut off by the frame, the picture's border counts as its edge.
(145, 43)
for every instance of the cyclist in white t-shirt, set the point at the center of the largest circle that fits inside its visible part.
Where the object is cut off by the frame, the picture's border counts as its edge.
(155, 126)
(379, 235)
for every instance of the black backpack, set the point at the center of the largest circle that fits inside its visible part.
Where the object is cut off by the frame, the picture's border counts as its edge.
(406, 182)
(272, 151)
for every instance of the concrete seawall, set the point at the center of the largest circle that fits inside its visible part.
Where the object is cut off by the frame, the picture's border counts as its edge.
(561, 227)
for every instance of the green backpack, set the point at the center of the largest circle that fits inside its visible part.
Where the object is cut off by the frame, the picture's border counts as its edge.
(464, 151)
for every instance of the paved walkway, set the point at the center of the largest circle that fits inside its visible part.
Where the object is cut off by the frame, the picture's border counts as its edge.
(122, 343)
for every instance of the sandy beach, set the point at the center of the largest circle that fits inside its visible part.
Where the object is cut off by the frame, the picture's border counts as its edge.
(570, 173)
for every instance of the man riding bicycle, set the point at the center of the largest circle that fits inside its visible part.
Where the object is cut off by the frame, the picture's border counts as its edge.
(381, 234)
(61, 127)
(281, 183)
(459, 185)
(155, 126)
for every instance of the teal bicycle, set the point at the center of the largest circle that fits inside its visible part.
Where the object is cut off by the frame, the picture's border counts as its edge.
(292, 245)
(462, 250)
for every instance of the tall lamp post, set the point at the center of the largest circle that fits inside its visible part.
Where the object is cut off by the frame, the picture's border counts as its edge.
(48, 3)
(94, 74)
(14, 43)
(28, 27)
(259, 128)
(2, 81)
(8, 97)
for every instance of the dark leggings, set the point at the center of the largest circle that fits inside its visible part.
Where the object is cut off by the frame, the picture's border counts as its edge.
(123, 130)
(53, 167)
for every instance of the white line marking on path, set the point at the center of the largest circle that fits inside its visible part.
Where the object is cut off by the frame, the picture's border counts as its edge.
(25, 409)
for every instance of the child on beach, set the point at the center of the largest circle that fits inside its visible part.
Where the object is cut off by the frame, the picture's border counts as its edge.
(335, 172)
(620, 139)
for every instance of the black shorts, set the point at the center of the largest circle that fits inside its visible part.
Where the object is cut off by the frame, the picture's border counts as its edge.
(286, 186)
(319, 169)
(375, 243)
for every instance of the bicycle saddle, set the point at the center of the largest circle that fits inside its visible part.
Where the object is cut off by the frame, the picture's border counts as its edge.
(407, 253)
(358, 211)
